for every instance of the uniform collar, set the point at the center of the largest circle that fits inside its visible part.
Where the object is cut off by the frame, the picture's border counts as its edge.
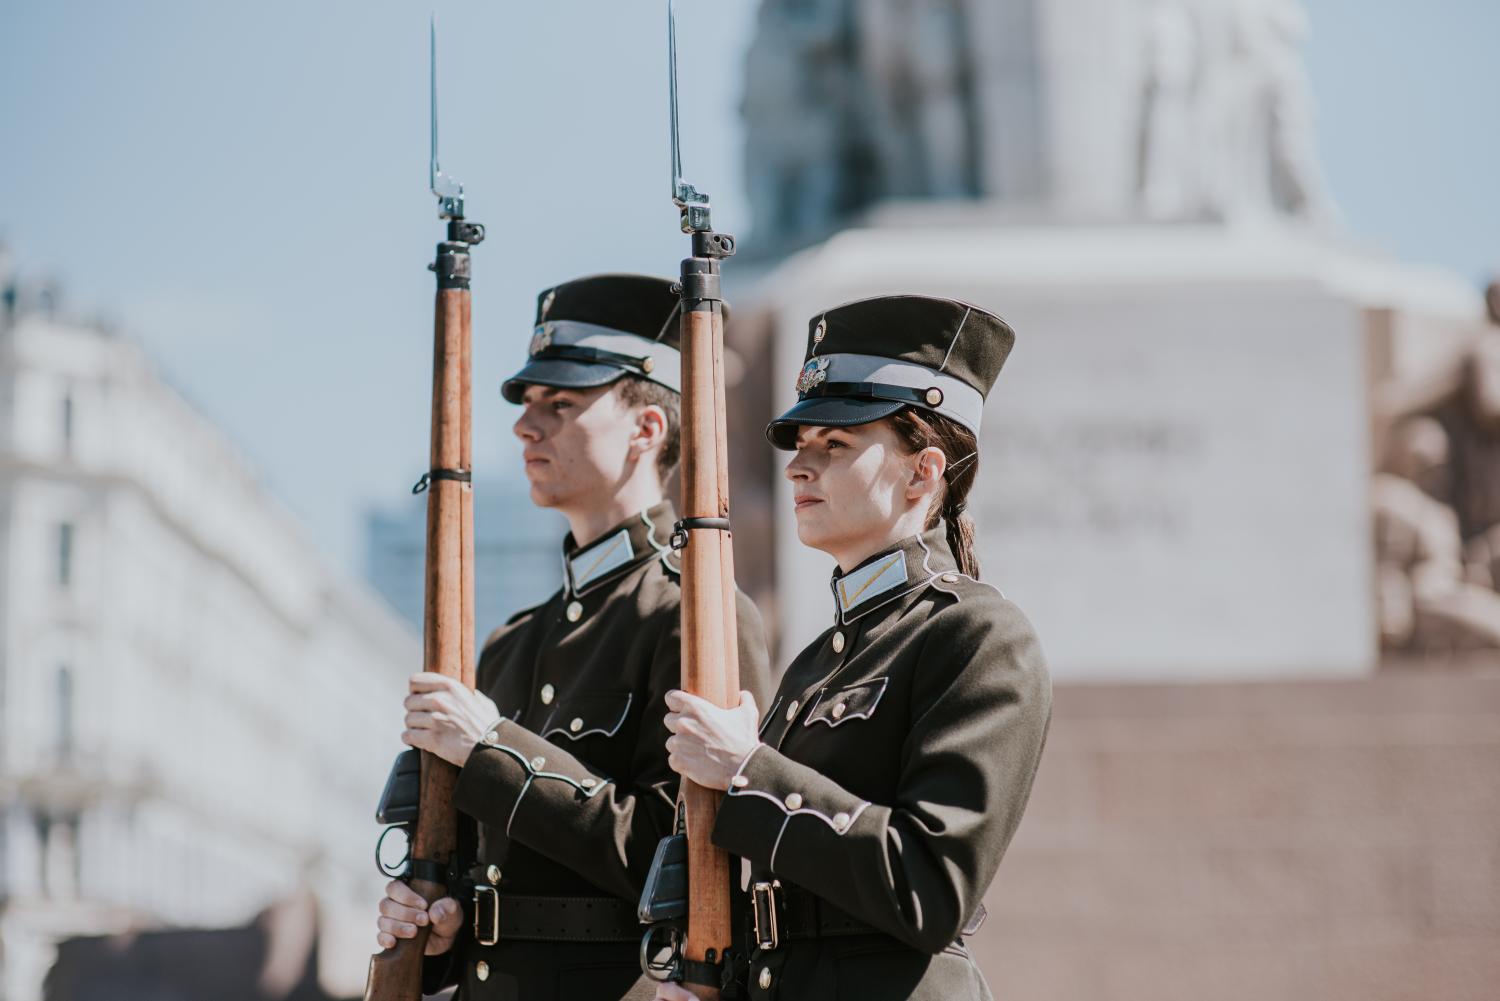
(638, 538)
(890, 574)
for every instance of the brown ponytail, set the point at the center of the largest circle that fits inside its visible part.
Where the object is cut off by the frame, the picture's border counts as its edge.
(919, 429)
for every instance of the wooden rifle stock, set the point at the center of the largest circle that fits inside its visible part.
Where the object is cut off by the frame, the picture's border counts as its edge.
(710, 649)
(448, 626)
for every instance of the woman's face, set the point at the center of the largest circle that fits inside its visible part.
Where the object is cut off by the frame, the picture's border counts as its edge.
(857, 489)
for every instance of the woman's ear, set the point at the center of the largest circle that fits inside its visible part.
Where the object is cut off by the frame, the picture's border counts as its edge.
(927, 473)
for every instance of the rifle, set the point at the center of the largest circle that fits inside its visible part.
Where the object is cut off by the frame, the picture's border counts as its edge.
(448, 617)
(710, 651)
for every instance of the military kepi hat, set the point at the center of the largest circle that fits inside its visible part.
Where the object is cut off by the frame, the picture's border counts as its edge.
(867, 359)
(591, 331)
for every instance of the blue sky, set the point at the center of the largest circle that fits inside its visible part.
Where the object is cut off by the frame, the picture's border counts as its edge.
(242, 187)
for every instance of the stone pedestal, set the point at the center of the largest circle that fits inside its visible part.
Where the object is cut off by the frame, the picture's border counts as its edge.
(1176, 459)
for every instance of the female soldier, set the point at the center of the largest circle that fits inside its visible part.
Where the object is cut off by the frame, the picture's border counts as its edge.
(876, 798)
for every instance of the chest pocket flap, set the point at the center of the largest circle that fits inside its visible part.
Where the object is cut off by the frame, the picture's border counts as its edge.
(852, 702)
(589, 714)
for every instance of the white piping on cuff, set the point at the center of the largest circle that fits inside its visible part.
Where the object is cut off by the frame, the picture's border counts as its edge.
(743, 762)
(522, 795)
(825, 818)
(771, 862)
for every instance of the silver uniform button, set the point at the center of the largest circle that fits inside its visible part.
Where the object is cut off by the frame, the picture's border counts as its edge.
(765, 978)
(791, 710)
(492, 738)
(575, 611)
(739, 781)
(548, 693)
(839, 710)
(950, 578)
(538, 762)
(588, 783)
(838, 642)
(794, 801)
(482, 970)
(576, 724)
(840, 821)
(493, 875)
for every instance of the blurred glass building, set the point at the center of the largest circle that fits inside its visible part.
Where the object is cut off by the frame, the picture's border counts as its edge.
(517, 553)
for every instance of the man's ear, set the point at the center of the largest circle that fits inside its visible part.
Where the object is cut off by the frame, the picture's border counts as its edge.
(650, 429)
(927, 473)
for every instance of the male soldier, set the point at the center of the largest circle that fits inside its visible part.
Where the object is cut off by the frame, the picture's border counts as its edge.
(561, 750)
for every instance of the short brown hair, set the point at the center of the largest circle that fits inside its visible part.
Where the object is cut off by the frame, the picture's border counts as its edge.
(637, 392)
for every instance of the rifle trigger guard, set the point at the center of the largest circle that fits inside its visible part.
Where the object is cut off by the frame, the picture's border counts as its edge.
(662, 970)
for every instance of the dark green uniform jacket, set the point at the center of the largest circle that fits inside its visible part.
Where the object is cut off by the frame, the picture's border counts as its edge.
(572, 791)
(897, 758)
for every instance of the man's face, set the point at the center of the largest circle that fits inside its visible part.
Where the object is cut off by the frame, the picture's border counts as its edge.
(575, 445)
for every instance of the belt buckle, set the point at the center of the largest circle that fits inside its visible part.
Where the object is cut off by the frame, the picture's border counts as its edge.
(483, 895)
(763, 900)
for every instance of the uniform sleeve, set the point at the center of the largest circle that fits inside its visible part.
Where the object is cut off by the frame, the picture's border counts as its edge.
(548, 799)
(915, 868)
(551, 801)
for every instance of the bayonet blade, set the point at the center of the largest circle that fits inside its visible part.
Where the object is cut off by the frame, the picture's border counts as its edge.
(692, 202)
(450, 193)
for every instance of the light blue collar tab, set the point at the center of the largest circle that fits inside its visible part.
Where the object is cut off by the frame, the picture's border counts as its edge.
(870, 581)
(609, 553)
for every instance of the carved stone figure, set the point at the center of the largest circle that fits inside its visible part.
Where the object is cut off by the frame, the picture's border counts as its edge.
(912, 58)
(1256, 115)
(1437, 510)
(798, 110)
(1171, 165)
(852, 102)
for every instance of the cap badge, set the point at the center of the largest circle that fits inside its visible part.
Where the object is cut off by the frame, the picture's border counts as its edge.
(541, 340)
(813, 373)
(820, 331)
(547, 303)
(934, 397)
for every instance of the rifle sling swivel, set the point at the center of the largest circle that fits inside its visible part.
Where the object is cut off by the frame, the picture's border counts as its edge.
(459, 475)
(683, 526)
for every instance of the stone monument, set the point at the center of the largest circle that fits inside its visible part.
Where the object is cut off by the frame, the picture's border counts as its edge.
(1178, 459)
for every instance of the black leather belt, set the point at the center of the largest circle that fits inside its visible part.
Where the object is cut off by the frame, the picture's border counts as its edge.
(558, 919)
(782, 913)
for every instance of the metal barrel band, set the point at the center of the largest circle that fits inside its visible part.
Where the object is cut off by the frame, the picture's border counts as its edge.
(459, 475)
(680, 530)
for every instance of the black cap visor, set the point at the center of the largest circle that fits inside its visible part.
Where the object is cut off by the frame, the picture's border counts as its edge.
(828, 412)
(559, 373)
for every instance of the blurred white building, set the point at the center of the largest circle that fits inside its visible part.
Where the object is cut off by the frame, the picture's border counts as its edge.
(185, 687)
